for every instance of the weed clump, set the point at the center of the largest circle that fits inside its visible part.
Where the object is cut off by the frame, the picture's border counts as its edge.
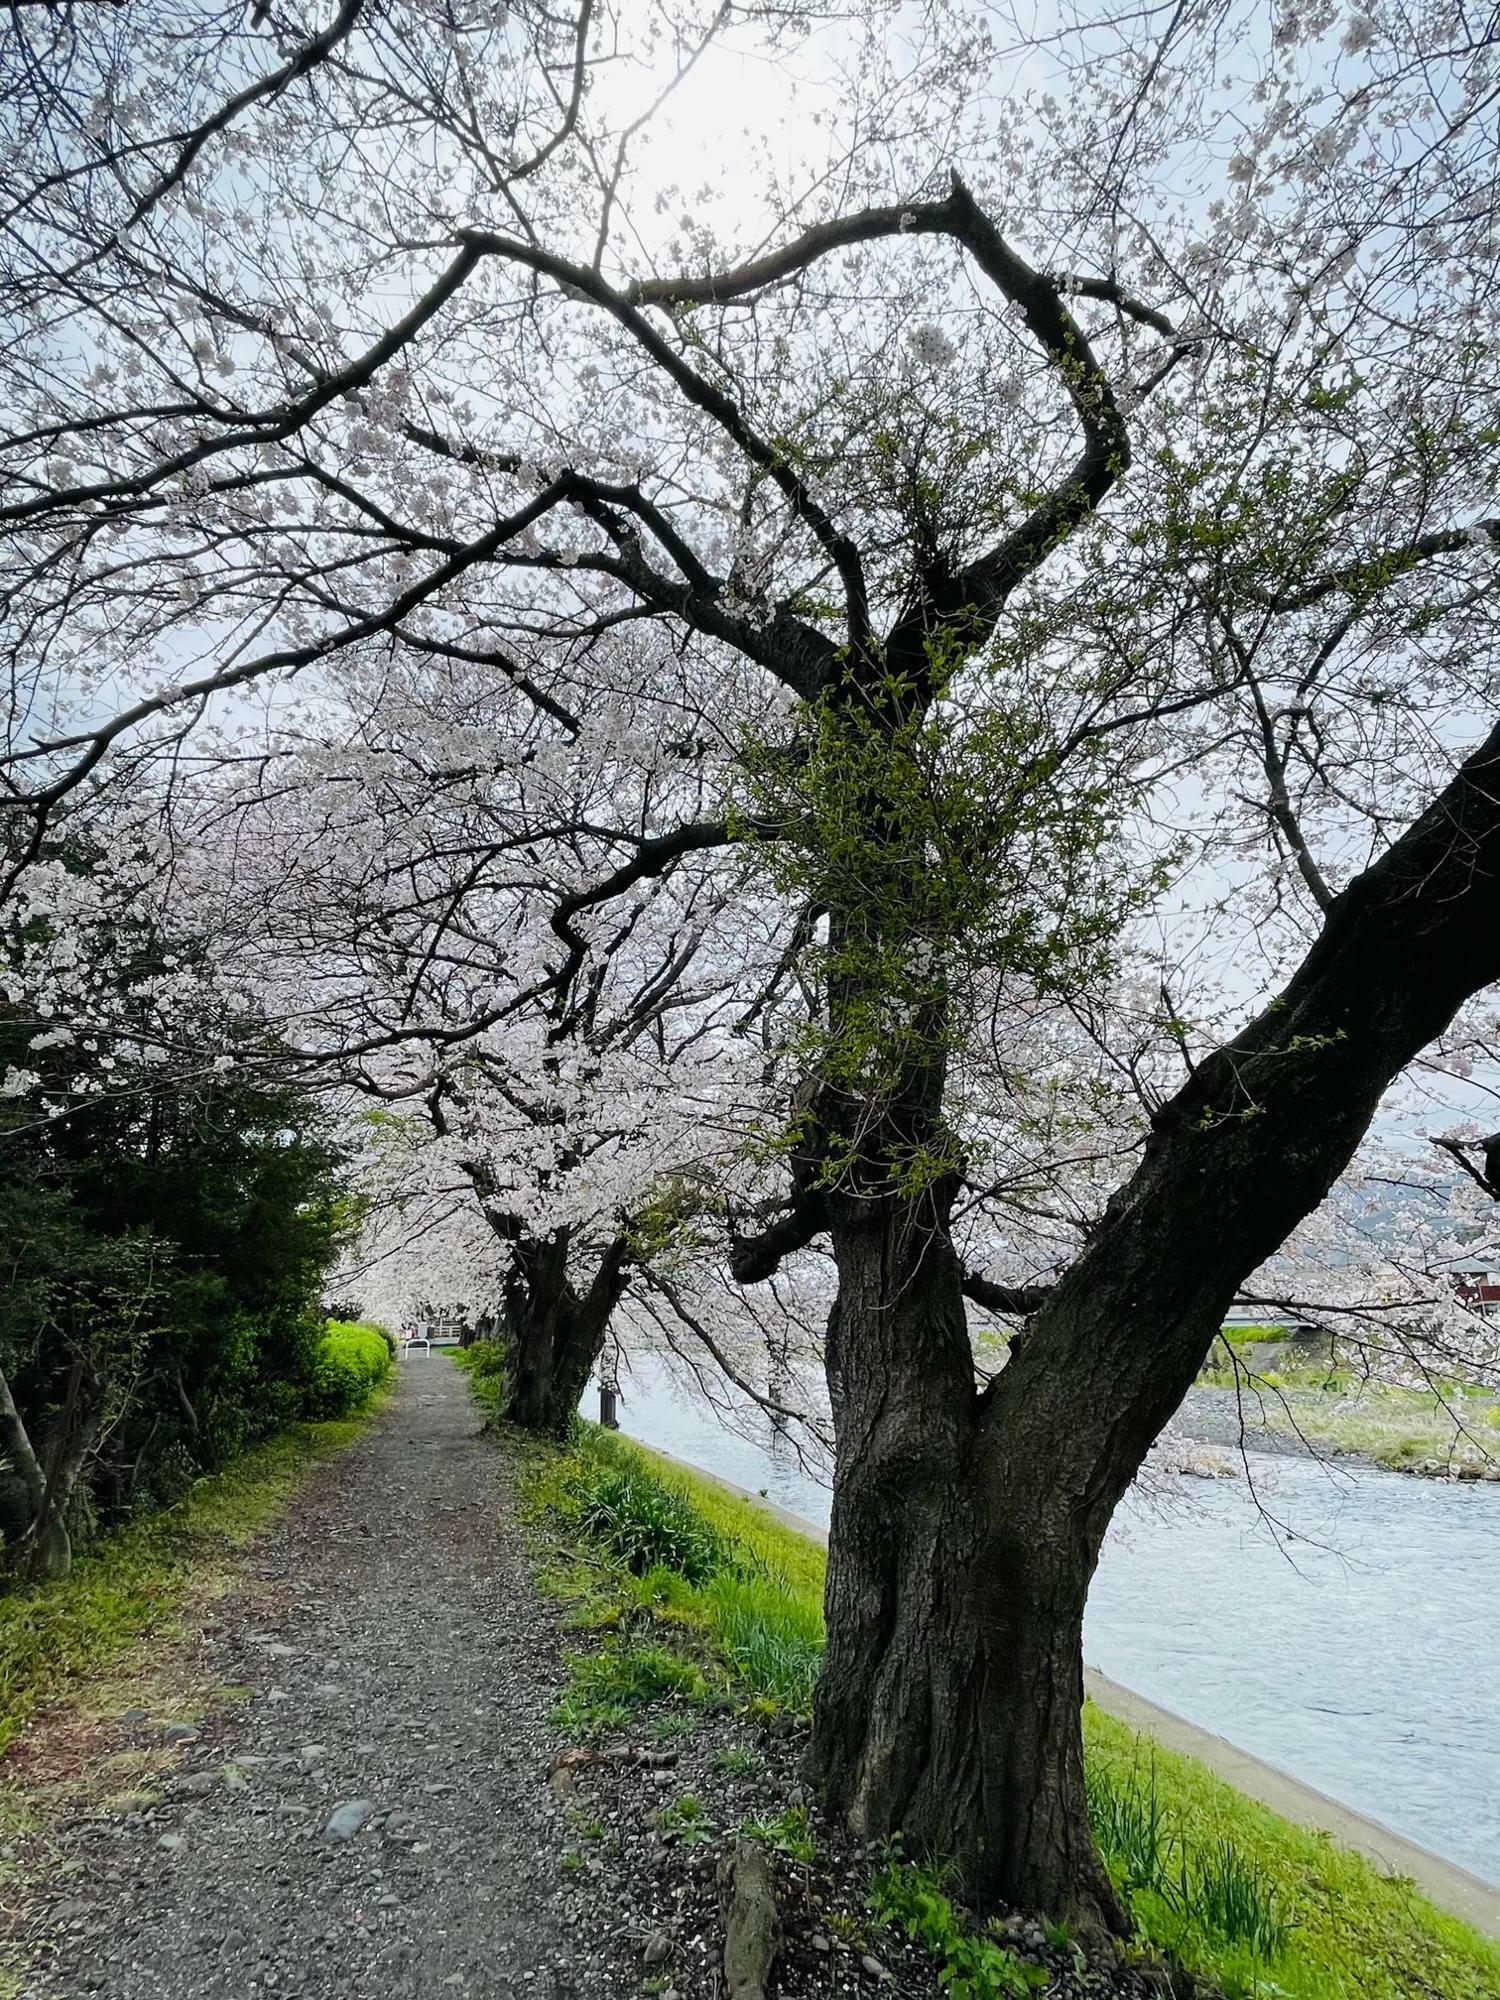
(605, 1689)
(772, 1640)
(644, 1526)
(971, 1964)
(1191, 1894)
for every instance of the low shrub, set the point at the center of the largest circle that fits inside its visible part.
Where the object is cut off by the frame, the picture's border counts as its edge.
(352, 1361)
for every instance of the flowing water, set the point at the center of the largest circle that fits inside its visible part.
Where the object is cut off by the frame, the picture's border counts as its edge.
(1352, 1638)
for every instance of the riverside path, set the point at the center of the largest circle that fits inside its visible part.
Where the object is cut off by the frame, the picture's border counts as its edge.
(364, 1809)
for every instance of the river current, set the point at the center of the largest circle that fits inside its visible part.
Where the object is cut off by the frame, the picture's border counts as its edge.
(1343, 1625)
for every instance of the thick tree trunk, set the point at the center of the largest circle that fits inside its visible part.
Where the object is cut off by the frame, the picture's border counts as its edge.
(554, 1333)
(48, 1551)
(535, 1303)
(949, 1705)
(966, 1527)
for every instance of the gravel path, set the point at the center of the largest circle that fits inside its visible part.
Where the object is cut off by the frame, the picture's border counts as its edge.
(374, 1819)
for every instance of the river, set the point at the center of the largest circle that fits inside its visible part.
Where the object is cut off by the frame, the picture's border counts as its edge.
(1353, 1640)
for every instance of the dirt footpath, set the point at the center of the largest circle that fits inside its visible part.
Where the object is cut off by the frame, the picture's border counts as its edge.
(370, 1815)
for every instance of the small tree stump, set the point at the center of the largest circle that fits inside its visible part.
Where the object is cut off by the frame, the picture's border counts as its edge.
(750, 1931)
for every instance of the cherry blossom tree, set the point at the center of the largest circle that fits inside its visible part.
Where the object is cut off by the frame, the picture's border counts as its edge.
(1066, 477)
(456, 898)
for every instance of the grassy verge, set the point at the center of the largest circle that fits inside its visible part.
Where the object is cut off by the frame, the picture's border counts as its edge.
(55, 1637)
(1404, 1430)
(693, 1594)
(484, 1364)
(1258, 1904)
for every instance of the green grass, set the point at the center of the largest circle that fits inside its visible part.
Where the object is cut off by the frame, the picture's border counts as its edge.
(55, 1636)
(1256, 1880)
(635, 1520)
(1406, 1430)
(687, 1818)
(1199, 1898)
(605, 1689)
(484, 1364)
(738, 1761)
(771, 1638)
(1263, 1908)
(686, 1559)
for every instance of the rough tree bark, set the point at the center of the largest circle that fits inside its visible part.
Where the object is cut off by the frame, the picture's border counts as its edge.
(967, 1525)
(554, 1332)
(947, 1707)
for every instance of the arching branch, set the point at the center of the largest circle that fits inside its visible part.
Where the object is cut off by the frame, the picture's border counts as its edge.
(1017, 1301)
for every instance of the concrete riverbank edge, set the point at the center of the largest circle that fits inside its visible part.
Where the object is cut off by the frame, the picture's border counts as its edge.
(1444, 1883)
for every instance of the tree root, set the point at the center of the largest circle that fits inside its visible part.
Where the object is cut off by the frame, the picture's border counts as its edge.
(568, 1763)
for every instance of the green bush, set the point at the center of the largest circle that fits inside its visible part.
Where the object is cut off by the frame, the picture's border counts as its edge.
(174, 1235)
(352, 1362)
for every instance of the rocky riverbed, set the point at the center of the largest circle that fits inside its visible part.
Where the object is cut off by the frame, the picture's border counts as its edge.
(1232, 1422)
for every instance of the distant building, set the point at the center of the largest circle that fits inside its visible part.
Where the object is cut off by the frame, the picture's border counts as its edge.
(1477, 1288)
